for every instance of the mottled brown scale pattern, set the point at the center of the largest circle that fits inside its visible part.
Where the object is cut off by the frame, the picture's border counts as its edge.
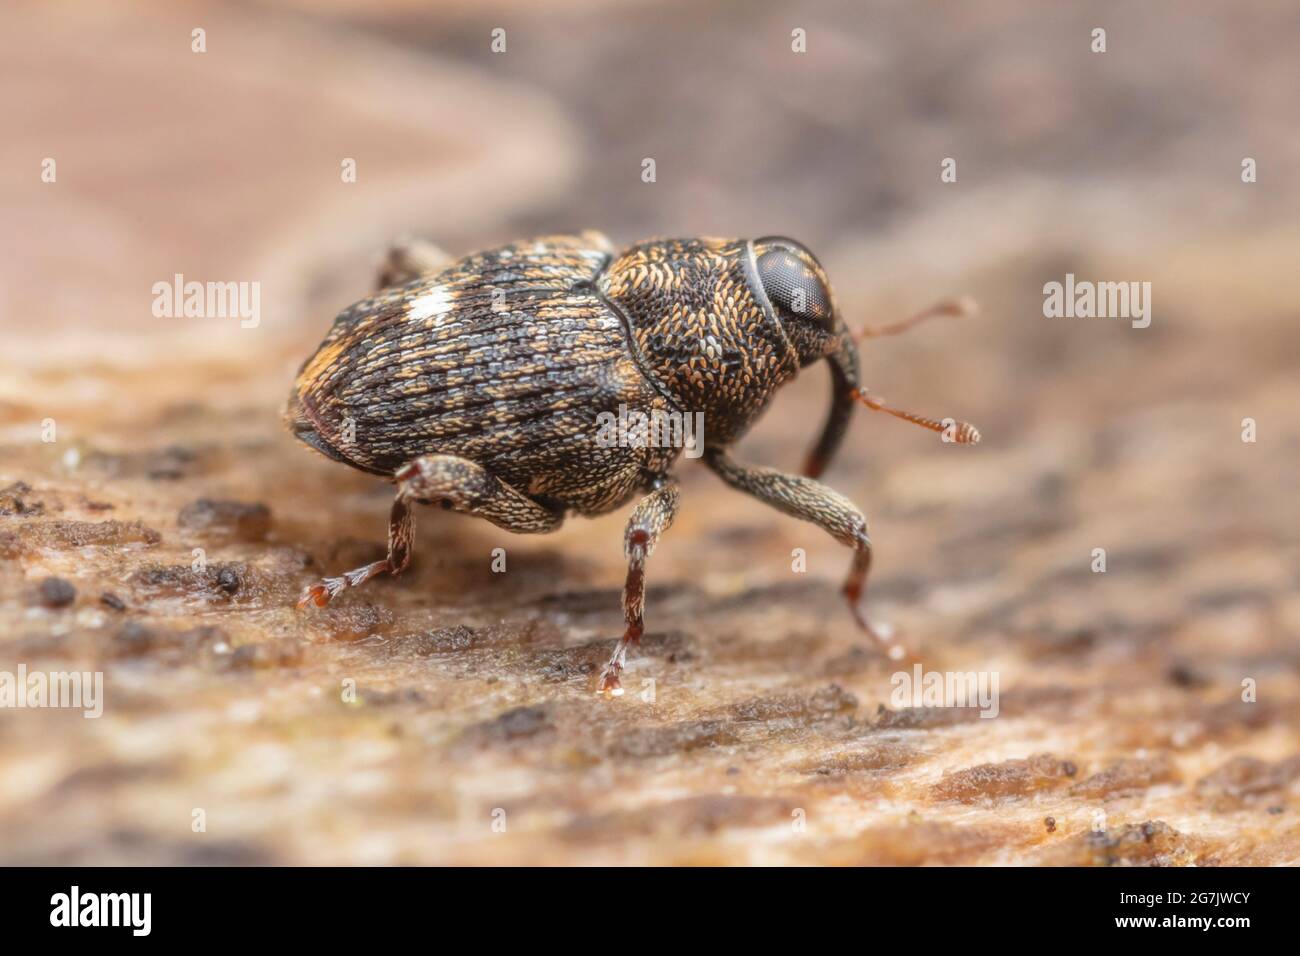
(703, 334)
(511, 373)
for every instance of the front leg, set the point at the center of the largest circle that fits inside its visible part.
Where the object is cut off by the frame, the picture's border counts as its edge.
(810, 500)
(652, 517)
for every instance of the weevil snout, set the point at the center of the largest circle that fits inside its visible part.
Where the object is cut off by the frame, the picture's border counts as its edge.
(798, 292)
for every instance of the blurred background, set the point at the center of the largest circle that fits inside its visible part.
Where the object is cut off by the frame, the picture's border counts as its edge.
(1121, 692)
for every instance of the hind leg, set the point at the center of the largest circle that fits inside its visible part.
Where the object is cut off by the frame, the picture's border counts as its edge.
(408, 259)
(401, 531)
(458, 485)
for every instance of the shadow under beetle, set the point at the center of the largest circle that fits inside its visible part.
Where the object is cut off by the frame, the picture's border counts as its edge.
(477, 385)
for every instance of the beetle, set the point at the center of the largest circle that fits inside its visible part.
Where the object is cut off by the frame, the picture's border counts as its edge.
(477, 385)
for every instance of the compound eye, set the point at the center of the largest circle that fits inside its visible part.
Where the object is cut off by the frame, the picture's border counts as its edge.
(794, 289)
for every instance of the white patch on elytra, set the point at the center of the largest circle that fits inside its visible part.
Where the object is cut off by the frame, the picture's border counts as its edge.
(431, 306)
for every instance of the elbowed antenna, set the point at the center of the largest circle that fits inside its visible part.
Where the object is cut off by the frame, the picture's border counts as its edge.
(962, 432)
(845, 393)
(961, 308)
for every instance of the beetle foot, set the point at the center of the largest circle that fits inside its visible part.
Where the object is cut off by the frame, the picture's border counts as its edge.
(610, 686)
(322, 593)
(327, 589)
(883, 633)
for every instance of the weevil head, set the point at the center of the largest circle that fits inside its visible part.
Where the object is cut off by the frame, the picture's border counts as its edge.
(793, 286)
(799, 294)
(721, 324)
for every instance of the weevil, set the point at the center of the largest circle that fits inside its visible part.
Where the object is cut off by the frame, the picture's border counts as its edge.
(477, 385)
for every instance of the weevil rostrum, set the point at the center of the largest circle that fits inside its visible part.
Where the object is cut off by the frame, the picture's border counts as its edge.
(478, 384)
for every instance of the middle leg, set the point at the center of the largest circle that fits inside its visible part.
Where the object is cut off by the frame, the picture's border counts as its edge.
(652, 517)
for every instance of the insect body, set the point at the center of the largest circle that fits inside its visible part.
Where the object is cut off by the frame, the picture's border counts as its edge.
(479, 384)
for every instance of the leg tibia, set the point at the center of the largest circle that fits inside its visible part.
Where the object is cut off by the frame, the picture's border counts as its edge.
(812, 501)
(401, 531)
(652, 517)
